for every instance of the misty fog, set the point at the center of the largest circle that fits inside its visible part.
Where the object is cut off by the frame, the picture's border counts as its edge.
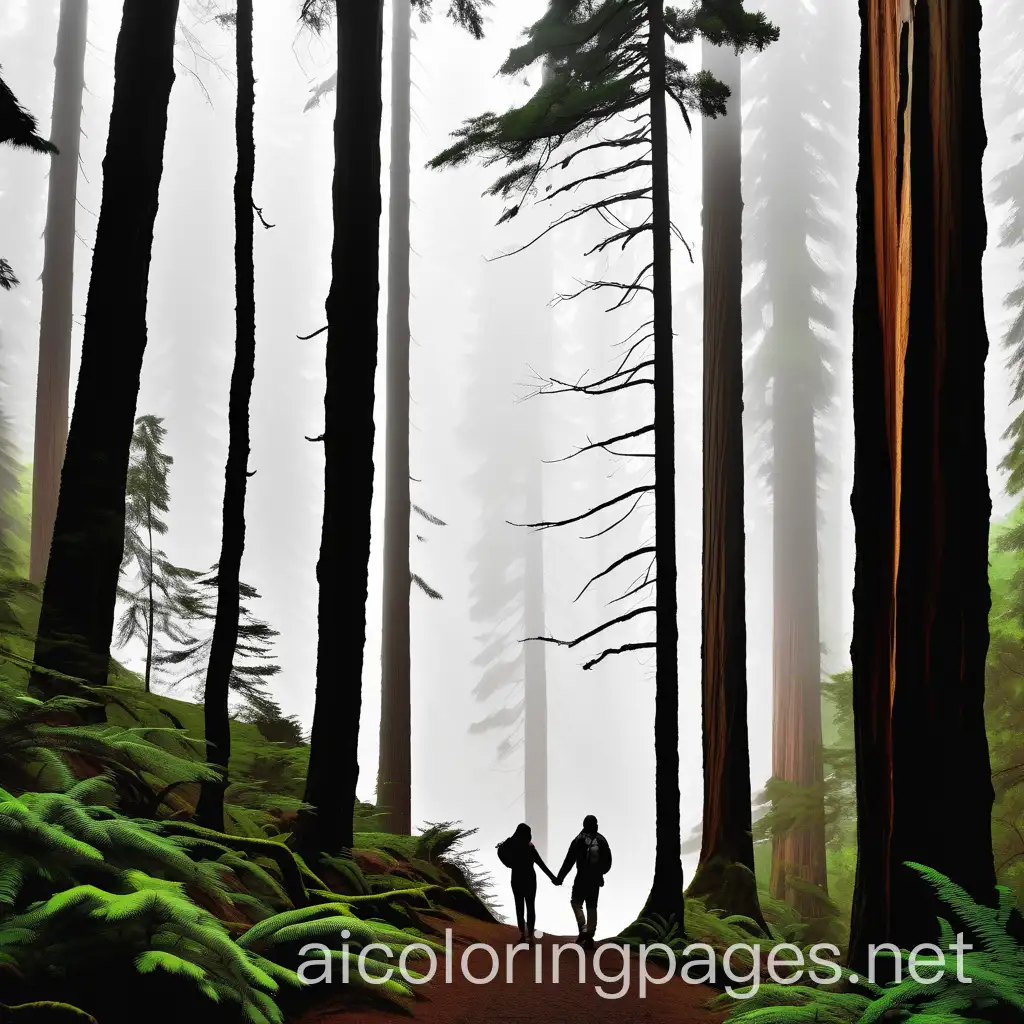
(486, 332)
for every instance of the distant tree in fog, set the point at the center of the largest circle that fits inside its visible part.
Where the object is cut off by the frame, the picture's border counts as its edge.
(80, 591)
(158, 596)
(53, 378)
(507, 599)
(793, 193)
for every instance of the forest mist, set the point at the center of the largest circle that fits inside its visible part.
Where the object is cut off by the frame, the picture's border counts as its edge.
(482, 333)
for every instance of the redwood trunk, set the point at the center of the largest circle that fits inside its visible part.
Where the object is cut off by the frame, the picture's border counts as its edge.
(77, 613)
(394, 776)
(921, 499)
(666, 896)
(225, 629)
(54, 374)
(348, 430)
(726, 867)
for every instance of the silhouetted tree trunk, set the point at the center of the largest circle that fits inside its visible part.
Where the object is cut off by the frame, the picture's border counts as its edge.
(921, 500)
(348, 430)
(77, 613)
(666, 896)
(726, 866)
(54, 375)
(225, 629)
(394, 775)
(535, 683)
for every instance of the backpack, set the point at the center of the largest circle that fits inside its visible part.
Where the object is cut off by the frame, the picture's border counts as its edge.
(505, 853)
(595, 859)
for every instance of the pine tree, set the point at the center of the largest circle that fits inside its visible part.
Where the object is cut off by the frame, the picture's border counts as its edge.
(160, 595)
(188, 653)
(606, 62)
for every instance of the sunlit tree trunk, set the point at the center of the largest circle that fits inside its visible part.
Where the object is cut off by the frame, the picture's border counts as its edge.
(77, 613)
(394, 776)
(726, 866)
(225, 629)
(348, 431)
(921, 499)
(54, 375)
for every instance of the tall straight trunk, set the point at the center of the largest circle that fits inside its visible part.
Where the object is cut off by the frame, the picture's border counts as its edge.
(726, 866)
(77, 614)
(348, 430)
(216, 719)
(151, 610)
(666, 896)
(54, 374)
(535, 683)
(796, 647)
(394, 774)
(921, 500)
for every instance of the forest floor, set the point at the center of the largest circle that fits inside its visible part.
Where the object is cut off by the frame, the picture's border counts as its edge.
(532, 995)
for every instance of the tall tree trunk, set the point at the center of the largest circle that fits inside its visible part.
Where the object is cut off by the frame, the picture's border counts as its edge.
(666, 896)
(348, 430)
(535, 683)
(229, 567)
(77, 614)
(54, 374)
(921, 500)
(726, 865)
(150, 608)
(796, 647)
(394, 775)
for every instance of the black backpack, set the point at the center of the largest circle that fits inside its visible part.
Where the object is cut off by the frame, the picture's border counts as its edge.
(505, 852)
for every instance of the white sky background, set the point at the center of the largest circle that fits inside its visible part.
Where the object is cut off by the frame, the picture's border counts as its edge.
(601, 756)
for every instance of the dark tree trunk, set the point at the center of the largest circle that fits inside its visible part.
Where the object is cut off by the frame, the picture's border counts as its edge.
(394, 775)
(77, 614)
(921, 499)
(666, 896)
(726, 866)
(535, 683)
(348, 430)
(151, 607)
(54, 374)
(225, 629)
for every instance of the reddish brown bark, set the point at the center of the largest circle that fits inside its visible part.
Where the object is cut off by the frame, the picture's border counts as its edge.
(921, 500)
(726, 867)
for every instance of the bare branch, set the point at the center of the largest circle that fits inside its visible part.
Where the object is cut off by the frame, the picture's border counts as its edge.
(611, 568)
(649, 429)
(586, 515)
(259, 213)
(618, 620)
(618, 650)
(307, 337)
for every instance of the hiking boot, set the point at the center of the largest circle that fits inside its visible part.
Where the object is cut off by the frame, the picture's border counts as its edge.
(581, 938)
(588, 941)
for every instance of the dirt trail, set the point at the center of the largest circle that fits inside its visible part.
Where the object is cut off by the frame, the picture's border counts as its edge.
(532, 994)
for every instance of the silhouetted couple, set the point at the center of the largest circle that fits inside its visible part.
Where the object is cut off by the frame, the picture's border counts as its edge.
(589, 853)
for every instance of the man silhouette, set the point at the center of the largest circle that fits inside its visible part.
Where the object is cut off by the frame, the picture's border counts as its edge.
(592, 857)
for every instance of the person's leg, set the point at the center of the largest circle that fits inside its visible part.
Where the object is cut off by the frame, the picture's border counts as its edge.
(530, 894)
(576, 902)
(592, 915)
(520, 898)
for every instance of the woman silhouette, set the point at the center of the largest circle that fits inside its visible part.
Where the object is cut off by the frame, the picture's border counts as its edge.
(518, 853)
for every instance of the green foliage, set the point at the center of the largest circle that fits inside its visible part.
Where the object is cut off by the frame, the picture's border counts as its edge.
(995, 967)
(160, 595)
